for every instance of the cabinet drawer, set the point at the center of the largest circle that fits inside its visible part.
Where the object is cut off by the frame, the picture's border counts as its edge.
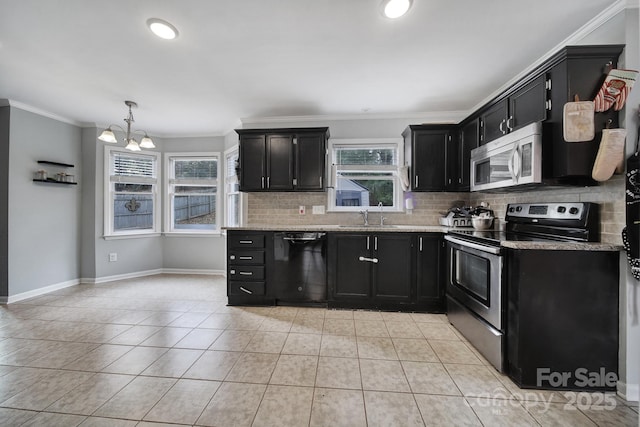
(248, 272)
(246, 241)
(246, 288)
(245, 257)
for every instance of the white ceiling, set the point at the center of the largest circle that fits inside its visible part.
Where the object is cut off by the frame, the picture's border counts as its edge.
(81, 59)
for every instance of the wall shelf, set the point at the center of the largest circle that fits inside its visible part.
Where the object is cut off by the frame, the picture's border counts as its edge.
(53, 181)
(47, 162)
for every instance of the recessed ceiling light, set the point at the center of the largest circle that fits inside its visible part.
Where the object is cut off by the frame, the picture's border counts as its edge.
(395, 8)
(162, 29)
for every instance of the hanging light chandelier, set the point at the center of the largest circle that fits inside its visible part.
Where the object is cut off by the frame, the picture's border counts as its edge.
(107, 135)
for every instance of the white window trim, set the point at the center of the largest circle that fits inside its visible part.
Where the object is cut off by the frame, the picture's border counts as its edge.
(108, 232)
(331, 173)
(168, 211)
(243, 196)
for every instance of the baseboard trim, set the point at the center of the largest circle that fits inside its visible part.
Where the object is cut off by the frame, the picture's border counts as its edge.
(37, 292)
(134, 275)
(629, 392)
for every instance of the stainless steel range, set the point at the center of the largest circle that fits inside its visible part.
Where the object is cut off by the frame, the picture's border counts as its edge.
(476, 267)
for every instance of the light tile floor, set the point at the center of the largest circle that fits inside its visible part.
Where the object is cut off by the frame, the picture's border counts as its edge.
(167, 349)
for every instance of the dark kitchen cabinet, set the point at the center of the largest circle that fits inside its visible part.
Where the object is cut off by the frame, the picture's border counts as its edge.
(249, 259)
(292, 159)
(371, 270)
(430, 150)
(468, 140)
(430, 272)
(575, 70)
(525, 105)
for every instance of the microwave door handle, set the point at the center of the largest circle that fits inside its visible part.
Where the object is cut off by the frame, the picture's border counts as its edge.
(511, 164)
(517, 163)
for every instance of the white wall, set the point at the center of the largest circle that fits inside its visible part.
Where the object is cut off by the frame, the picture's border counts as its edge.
(43, 219)
(196, 253)
(4, 196)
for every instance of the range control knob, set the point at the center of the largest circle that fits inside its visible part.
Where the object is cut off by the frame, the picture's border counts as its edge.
(573, 211)
(519, 209)
(511, 210)
(562, 209)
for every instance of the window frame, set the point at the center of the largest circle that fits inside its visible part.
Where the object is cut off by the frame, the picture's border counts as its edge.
(109, 192)
(169, 175)
(241, 196)
(332, 172)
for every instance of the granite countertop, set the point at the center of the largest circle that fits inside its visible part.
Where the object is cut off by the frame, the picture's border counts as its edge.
(390, 228)
(332, 227)
(561, 246)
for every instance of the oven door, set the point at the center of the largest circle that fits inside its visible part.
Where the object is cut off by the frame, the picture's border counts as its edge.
(474, 278)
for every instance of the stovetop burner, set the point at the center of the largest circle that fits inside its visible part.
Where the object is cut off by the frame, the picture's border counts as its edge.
(542, 222)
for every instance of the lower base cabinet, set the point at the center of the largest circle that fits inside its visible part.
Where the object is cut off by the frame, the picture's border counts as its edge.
(386, 271)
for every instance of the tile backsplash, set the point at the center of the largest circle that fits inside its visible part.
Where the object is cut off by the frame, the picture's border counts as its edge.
(282, 208)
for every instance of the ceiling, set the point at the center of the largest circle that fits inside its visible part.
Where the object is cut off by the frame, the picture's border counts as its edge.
(80, 59)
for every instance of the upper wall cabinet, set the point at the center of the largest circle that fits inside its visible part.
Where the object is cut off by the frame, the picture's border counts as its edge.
(431, 152)
(526, 105)
(283, 159)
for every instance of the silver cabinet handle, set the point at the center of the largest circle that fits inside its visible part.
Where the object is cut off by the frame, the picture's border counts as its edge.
(248, 258)
(509, 127)
(501, 127)
(262, 183)
(420, 240)
(246, 273)
(373, 260)
(367, 242)
(547, 84)
(245, 290)
(232, 272)
(268, 182)
(320, 179)
(416, 181)
(375, 244)
(548, 104)
(246, 242)
(232, 257)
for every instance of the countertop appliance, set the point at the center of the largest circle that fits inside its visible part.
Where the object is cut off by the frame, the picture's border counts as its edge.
(534, 313)
(300, 267)
(512, 160)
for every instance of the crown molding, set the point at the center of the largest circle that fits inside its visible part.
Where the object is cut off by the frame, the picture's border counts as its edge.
(425, 117)
(44, 113)
(599, 20)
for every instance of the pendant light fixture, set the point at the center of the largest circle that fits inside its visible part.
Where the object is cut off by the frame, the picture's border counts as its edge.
(107, 135)
(393, 9)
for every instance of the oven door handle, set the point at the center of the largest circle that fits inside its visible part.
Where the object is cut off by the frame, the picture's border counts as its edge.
(466, 243)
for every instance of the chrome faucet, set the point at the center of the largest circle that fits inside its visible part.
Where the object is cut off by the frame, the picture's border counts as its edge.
(382, 218)
(365, 216)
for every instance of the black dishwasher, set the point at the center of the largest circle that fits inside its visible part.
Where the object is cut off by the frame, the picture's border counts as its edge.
(300, 267)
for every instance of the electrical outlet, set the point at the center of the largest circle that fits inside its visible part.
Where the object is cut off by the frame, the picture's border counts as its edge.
(113, 257)
(317, 210)
(301, 210)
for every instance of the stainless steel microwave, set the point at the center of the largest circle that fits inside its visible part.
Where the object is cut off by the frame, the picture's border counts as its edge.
(511, 160)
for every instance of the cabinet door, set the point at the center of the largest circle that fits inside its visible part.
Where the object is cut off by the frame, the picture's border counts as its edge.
(528, 104)
(469, 139)
(280, 162)
(394, 270)
(429, 160)
(352, 277)
(494, 121)
(451, 172)
(430, 284)
(310, 162)
(252, 162)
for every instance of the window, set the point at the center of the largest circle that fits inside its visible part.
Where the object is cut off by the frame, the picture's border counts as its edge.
(192, 189)
(365, 174)
(131, 196)
(234, 204)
